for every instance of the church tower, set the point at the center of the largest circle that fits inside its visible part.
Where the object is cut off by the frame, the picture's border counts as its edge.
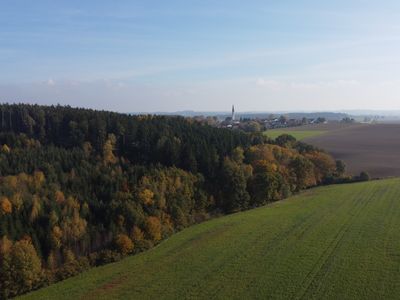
(233, 113)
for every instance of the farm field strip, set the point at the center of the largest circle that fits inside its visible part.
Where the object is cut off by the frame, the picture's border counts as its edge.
(311, 131)
(331, 242)
(364, 147)
(298, 134)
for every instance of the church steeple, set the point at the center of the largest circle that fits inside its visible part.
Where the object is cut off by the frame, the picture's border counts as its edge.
(233, 113)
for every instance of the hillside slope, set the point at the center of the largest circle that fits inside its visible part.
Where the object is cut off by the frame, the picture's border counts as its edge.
(333, 242)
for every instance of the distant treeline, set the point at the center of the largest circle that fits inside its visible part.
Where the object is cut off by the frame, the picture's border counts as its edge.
(80, 188)
(330, 116)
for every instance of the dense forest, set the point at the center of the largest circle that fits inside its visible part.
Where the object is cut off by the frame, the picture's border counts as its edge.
(80, 188)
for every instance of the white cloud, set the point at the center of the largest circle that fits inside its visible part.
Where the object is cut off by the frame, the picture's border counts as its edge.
(279, 85)
(270, 84)
(50, 82)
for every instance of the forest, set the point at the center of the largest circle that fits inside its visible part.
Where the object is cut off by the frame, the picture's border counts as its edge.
(80, 188)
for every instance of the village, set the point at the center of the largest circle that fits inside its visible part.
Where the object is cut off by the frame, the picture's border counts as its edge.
(257, 123)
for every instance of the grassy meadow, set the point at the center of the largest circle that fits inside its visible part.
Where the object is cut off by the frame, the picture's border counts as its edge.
(298, 134)
(334, 242)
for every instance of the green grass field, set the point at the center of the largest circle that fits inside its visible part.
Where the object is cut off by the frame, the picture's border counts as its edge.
(298, 134)
(335, 242)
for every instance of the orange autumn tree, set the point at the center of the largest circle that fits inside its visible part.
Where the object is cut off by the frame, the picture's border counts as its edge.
(124, 244)
(323, 164)
(5, 205)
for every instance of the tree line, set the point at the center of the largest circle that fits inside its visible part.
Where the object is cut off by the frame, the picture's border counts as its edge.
(80, 188)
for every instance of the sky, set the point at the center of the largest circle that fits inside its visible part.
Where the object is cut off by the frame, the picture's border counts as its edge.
(202, 55)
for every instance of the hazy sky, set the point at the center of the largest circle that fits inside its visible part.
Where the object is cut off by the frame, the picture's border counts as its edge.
(201, 54)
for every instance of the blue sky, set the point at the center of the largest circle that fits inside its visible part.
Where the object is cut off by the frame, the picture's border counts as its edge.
(201, 55)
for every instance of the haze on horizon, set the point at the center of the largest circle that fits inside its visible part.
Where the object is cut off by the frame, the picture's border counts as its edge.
(149, 56)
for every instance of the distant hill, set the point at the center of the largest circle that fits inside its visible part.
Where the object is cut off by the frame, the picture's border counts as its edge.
(367, 112)
(330, 116)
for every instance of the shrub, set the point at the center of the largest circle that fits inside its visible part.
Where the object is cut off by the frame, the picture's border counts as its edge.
(364, 176)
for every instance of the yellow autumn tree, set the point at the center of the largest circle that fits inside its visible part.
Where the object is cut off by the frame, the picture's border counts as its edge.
(5, 149)
(108, 148)
(153, 228)
(36, 207)
(11, 182)
(137, 234)
(168, 224)
(53, 218)
(73, 228)
(38, 179)
(69, 256)
(51, 261)
(56, 236)
(70, 206)
(23, 178)
(17, 201)
(146, 196)
(27, 270)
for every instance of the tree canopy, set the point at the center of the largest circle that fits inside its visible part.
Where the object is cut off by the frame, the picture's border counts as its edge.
(80, 187)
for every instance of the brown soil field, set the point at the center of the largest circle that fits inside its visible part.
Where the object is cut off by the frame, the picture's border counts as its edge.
(374, 148)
